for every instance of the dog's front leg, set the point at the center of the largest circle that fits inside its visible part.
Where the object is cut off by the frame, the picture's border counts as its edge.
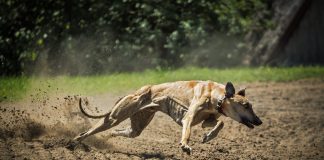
(213, 133)
(186, 129)
(187, 122)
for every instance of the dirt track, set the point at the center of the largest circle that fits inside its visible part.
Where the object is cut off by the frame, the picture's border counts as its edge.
(42, 127)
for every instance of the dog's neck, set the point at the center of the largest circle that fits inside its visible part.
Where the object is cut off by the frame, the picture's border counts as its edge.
(219, 105)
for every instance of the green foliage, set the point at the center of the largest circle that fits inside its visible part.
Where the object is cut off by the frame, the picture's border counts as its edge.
(241, 16)
(17, 88)
(107, 36)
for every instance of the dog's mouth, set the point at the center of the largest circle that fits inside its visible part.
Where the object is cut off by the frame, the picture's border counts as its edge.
(248, 124)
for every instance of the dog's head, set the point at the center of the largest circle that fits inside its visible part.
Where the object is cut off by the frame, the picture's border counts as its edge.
(238, 107)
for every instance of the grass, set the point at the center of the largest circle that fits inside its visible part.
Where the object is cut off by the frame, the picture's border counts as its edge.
(15, 88)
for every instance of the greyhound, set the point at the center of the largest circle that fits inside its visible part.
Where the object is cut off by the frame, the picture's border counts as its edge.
(187, 102)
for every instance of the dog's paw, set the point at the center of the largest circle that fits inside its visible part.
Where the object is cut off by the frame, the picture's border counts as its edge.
(71, 145)
(80, 137)
(186, 148)
(205, 138)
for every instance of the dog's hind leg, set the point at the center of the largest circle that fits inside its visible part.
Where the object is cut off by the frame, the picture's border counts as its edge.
(124, 109)
(102, 125)
(138, 123)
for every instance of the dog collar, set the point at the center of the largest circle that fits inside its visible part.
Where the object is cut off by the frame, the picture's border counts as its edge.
(219, 106)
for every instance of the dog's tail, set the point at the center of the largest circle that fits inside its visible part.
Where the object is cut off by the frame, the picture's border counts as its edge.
(89, 115)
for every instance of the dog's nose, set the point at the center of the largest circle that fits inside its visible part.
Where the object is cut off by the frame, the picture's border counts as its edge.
(257, 121)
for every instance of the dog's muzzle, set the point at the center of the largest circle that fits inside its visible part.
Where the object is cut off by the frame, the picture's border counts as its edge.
(256, 121)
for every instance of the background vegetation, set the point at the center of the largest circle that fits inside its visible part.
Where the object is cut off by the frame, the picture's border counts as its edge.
(90, 47)
(83, 37)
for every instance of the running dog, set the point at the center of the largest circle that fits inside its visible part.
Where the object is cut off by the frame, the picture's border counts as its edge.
(187, 102)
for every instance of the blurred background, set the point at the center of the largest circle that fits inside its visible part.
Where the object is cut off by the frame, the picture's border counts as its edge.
(86, 37)
(53, 52)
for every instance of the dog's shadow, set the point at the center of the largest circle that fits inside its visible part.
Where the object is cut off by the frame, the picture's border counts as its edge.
(98, 143)
(153, 155)
(147, 155)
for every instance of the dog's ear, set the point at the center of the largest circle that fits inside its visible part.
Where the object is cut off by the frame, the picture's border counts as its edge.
(229, 90)
(241, 92)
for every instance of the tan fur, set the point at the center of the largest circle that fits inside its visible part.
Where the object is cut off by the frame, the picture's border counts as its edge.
(187, 102)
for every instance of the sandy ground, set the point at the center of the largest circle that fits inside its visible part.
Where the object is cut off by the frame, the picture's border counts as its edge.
(42, 126)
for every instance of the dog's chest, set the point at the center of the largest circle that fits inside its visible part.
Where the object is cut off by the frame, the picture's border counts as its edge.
(203, 113)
